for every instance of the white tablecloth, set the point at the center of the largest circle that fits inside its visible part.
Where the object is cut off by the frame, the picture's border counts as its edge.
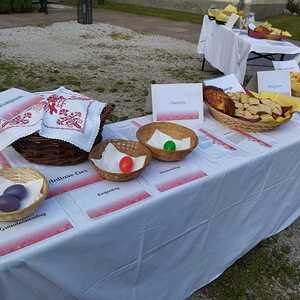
(161, 237)
(228, 50)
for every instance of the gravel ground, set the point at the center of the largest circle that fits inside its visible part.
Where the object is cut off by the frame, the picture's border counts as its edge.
(117, 65)
(107, 62)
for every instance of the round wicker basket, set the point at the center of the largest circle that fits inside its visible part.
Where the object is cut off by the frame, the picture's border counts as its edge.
(175, 131)
(40, 150)
(236, 123)
(131, 148)
(23, 175)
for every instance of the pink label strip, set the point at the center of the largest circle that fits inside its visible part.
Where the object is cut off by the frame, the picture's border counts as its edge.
(121, 203)
(17, 109)
(177, 116)
(3, 161)
(33, 238)
(253, 139)
(63, 188)
(180, 181)
(217, 140)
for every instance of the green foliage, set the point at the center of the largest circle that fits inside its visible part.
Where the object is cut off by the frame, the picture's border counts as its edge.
(21, 5)
(287, 22)
(7, 6)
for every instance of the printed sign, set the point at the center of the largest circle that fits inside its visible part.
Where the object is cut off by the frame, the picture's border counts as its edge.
(274, 81)
(177, 102)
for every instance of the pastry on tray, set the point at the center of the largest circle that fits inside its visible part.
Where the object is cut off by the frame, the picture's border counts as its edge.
(223, 15)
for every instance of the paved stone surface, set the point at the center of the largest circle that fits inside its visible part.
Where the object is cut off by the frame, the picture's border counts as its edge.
(58, 13)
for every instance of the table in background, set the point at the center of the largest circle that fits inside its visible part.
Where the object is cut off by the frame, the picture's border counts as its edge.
(228, 50)
(162, 236)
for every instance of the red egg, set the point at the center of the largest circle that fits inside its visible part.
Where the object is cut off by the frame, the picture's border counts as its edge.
(126, 164)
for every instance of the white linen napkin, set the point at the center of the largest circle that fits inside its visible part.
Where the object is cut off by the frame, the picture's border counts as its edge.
(159, 138)
(20, 115)
(111, 157)
(71, 117)
(60, 114)
(33, 190)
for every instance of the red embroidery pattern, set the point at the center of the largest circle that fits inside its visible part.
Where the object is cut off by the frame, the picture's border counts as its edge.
(22, 119)
(70, 120)
(55, 105)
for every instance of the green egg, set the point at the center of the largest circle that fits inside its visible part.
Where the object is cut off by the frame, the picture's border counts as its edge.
(169, 146)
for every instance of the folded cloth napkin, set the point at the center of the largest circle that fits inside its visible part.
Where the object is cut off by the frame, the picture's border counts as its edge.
(111, 157)
(20, 115)
(158, 139)
(71, 117)
(60, 114)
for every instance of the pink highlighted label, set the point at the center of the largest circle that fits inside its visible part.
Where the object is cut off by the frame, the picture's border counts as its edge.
(63, 188)
(180, 181)
(217, 140)
(253, 139)
(119, 204)
(177, 116)
(20, 107)
(35, 237)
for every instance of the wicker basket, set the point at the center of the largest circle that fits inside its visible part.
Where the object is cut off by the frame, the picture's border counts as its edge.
(40, 150)
(23, 175)
(236, 123)
(175, 131)
(131, 148)
(265, 35)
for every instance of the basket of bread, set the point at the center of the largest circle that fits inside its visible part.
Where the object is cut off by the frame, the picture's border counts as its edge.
(250, 111)
(295, 83)
(267, 31)
(222, 15)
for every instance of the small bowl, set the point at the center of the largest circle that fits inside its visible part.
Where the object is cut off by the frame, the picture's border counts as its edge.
(175, 131)
(131, 148)
(23, 175)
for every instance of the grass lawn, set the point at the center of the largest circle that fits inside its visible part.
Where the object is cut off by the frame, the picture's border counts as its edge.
(174, 15)
(290, 23)
(287, 22)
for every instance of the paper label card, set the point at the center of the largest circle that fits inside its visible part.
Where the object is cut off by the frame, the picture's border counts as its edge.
(166, 176)
(232, 20)
(228, 83)
(107, 197)
(48, 221)
(252, 143)
(66, 179)
(274, 81)
(288, 65)
(177, 102)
